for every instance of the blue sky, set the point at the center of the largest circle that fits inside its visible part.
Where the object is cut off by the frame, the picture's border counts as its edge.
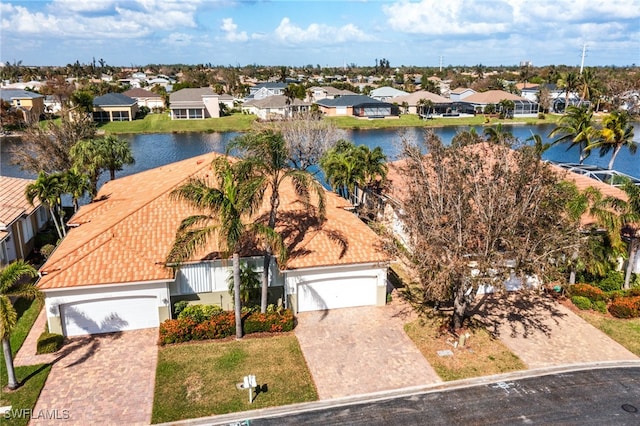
(329, 32)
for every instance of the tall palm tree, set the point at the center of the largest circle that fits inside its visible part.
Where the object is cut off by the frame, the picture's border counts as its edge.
(343, 168)
(627, 221)
(569, 81)
(76, 184)
(116, 153)
(576, 129)
(374, 165)
(13, 286)
(226, 208)
(617, 131)
(498, 134)
(93, 156)
(265, 156)
(48, 188)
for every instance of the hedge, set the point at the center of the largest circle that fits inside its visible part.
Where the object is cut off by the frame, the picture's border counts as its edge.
(223, 325)
(590, 292)
(583, 303)
(49, 343)
(627, 307)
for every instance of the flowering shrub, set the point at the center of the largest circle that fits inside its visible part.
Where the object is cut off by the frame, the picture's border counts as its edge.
(625, 307)
(590, 292)
(223, 324)
(271, 322)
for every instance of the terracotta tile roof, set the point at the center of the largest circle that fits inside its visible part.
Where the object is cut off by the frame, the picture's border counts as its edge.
(13, 202)
(126, 236)
(414, 98)
(492, 96)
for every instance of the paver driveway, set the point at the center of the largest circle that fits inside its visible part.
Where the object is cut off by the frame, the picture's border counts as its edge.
(543, 333)
(360, 350)
(102, 379)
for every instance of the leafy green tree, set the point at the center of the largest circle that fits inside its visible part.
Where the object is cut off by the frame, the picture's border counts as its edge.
(266, 157)
(617, 132)
(227, 203)
(48, 188)
(575, 128)
(83, 100)
(249, 283)
(12, 286)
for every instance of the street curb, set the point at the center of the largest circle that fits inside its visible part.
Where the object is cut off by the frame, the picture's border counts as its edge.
(237, 418)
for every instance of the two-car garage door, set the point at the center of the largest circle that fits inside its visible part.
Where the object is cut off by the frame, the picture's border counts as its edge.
(336, 293)
(109, 315)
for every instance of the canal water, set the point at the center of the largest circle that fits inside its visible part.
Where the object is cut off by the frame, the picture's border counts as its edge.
(154, 150)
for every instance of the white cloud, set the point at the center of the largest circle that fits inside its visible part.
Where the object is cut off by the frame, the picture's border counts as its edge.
(293, 34)
(230, 30)
(81, 5)
(178, 39)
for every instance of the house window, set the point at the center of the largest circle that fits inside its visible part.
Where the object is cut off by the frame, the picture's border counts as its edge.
(120, 115)
(195, 113)
(42, 217)
(179, 114)
(101, 116)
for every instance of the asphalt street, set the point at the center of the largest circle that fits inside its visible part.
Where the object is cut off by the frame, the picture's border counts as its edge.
(609, 396)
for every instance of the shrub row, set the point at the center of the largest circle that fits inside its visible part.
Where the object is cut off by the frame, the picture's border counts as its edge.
(625, 307)
(49, 343)
(590, 292)
(221, 325)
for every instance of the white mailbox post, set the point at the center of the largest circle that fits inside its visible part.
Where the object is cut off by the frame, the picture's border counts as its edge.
(248, 382)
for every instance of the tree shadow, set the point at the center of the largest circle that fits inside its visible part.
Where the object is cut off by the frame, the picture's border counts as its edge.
(521, 314)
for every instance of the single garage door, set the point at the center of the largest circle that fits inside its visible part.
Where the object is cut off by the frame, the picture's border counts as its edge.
(109, 315)
(337, 293)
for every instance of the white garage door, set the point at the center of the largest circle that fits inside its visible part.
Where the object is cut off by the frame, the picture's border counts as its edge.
(109, 315)
(340, 293)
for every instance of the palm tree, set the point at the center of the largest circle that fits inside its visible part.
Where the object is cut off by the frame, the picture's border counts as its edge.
(617, 132)
(76, 184)
(343, 168)
(265, 156)
(48, 189)
(116, 153)
(498, 134)
(569, 82)
(576, 129)
(226, 208)
(374, 165)
(13, 286)
(93, 156)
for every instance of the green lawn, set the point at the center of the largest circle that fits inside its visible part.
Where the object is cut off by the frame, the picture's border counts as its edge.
(161, 123)
(482, 354)
(199, 379)
(33, 377)
(624, 331)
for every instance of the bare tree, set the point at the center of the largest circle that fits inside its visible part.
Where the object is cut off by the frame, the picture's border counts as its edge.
(47, 148)
(479, 214)
(307, 138)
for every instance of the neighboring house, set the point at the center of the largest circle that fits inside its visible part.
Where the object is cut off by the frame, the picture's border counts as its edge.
(30, 104)
(275, 107)
(52, 104)
(114, 107)
(478, 101)
(415, 100)
(109, 273)
(194, 104)
(386, 93)
(226, 100)
(458, 94)
(146, 98)
(358, 106)
(316, 93)
(264, 90)
(19, 220)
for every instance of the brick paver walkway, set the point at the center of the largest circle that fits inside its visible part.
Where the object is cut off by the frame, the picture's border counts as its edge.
(101, 379)
(361, 350)
(544, 333)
